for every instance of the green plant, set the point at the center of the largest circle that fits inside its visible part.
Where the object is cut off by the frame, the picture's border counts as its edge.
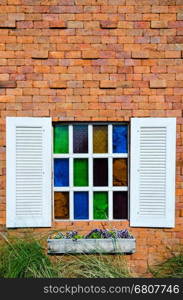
(24, 259)
(95, 235)
(171, 268)
(78, 236)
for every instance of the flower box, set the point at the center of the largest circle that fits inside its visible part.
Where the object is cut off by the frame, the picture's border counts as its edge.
(60, 246)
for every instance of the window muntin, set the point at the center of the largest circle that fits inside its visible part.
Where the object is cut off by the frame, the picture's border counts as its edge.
(90, 171)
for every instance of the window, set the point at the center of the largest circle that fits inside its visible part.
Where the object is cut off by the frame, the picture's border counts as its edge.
(90, 171)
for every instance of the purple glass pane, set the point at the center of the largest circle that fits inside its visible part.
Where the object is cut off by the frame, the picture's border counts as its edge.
(100, 172)
(120, 205)
(80, 139)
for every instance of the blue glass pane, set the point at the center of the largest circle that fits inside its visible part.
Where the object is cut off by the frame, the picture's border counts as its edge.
(120, 140)
(81, 205)
(61, 172)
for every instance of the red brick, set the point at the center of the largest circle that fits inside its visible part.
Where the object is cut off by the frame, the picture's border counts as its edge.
(56, 54)
(141, 24)
(124, 84)
(140, 54)
(180, 16)
(75, 24)
(41, 24)
(168, 17)
(158, 69)
(58, 24)
(8, 24)
(134, 17)
(158, 84)
(90, 54)
(172, 54)
(108, 24)
(8, 84)
(58, 84)
(142, 69)
(108, 84)
(25, 24)
(174, 69)
(125, 70)
(175, 39)
(126, 39)
(160, 8)
(91, 25)
(4, 77)
(125, 24)
(39, 54)
(151, 17)
(73, 54)
(179, 76)
(175, 24)
(7, 99)
(159, 24)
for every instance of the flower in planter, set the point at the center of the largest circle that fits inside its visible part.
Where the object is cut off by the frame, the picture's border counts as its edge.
(96, 234)
(120, 234)
(59, 235)
(71, 234)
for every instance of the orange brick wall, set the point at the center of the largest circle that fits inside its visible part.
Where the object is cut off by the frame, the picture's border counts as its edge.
(90, 60)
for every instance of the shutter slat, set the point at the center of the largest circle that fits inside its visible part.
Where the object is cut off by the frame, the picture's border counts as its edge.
(152, 172)
(29, 172)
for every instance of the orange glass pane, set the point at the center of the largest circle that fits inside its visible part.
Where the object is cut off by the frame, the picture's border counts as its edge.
(61, 205)
(120, 172)
(100, 139)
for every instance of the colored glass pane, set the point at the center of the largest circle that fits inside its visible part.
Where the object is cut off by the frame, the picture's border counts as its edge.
(120, 172)
(61, 139)
(100, 139)
(120, 140)
(61, 205)
(100, 205)
(100, 172)
(61, 172)
(120, 205)
(81, 209)
(80, 139)
(80, 172)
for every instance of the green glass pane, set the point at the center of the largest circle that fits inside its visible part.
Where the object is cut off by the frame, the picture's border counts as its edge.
(100, 205)
(61, 139)
(81, 172)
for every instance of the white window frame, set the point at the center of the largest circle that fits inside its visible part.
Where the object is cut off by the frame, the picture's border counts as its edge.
(90, 188)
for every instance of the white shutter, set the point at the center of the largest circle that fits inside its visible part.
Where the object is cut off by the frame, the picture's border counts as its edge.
(152, 172)
(28, 142)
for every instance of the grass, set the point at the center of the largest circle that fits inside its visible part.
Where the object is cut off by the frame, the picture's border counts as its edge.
(171, 268)
(24, 259)
(27, 258)
(94, 266)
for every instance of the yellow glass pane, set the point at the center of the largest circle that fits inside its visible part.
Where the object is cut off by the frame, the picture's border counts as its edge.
(100, 139)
